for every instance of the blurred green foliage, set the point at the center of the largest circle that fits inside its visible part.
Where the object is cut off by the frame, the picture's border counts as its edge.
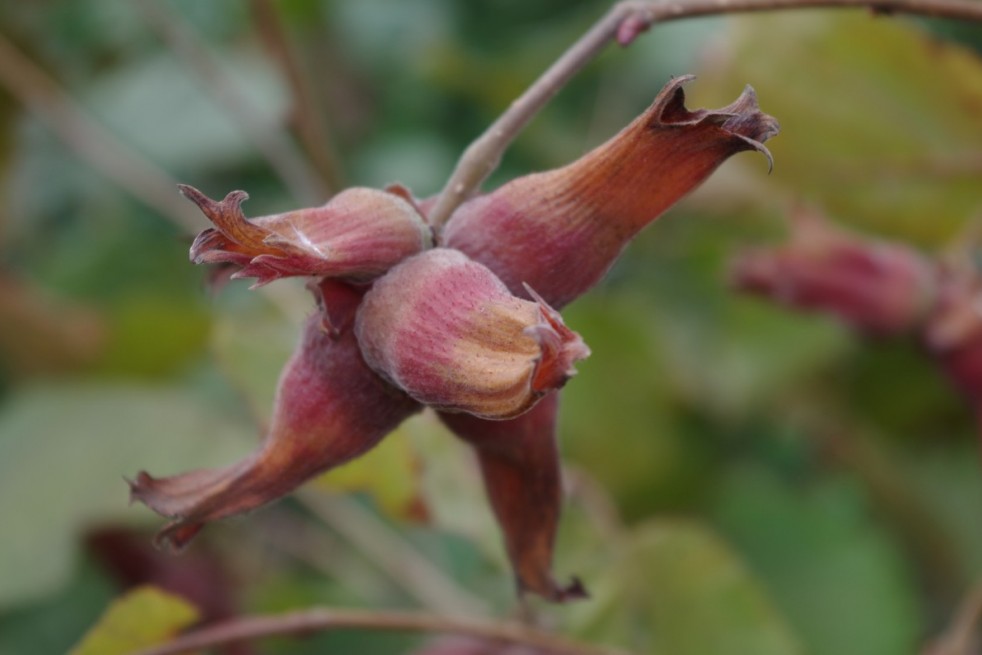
(746, 481)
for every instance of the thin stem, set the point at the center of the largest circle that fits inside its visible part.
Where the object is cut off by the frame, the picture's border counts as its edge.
(278, 150)
(402, 562)
(321, 620)
(623, 23)
(960, 635)
(93, 143)
(308, 115)
(483, 155)
(314, 546)
(595, 500)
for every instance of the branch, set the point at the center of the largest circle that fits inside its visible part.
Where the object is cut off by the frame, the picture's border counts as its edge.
(388, 550)
(308, 116)
(623, 23)
(278, 150)
(959, 637)
(321, 620)
(93, 143)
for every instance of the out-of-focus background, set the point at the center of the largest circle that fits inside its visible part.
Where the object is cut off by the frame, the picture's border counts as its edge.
(741, 479)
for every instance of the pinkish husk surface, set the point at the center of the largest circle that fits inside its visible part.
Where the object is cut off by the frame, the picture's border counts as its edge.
(330, 407)
(447, 331)
(358, 235)
(559, 231)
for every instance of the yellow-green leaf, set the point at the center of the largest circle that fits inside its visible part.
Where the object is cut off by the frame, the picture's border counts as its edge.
(142, 618)
(390, 473)
(880, 123)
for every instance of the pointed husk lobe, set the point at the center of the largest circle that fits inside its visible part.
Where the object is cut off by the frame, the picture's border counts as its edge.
(559, 231)
(358, 235)
(519, 461)
(330, 408)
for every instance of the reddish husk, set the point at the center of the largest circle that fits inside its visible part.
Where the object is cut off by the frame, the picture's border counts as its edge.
(878, 287)
(329, 408)
(561, 230)
(460, 329)
(447, 331)
(519, 461)
(558, 232)
(875, 286)
(358, 235)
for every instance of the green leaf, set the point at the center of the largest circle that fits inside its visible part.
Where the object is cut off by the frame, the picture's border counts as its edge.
(746, 355)
(158, 107)
(879, 121)
(144, 617)
(642, 455)
(654, 347)
(64, 451)
(677, 588)
(731, 355)
(55, 624)
(843, 584)
(946, 479)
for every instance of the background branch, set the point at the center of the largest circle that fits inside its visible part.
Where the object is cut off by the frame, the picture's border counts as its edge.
(276, 147)
(623, 23)
(309, 117)
(961, 635)
(320, 620)
(391, 552)
(93, 143)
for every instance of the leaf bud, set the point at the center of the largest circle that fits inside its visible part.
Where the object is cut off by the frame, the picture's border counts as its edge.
(561, 230)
